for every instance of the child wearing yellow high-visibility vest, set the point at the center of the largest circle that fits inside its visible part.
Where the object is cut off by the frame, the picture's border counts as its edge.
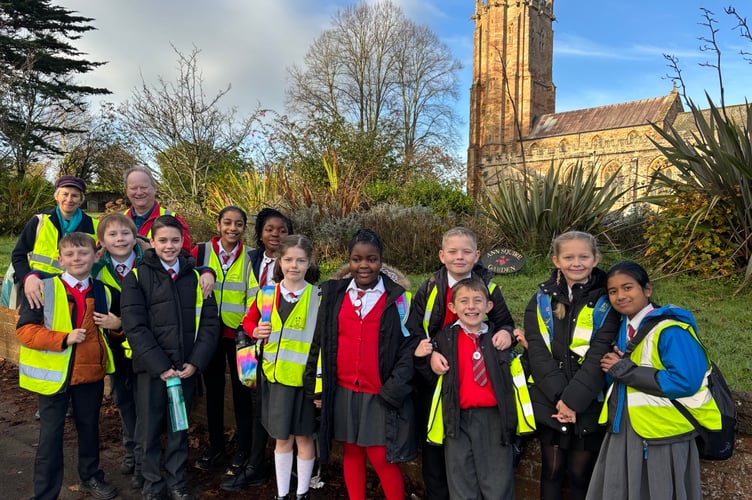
(64, 356)
(479, 413)
(569, 325)
(286, 413)
(650, 450)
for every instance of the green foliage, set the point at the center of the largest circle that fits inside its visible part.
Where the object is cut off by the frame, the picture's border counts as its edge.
(411, 235)
(37, 66)
(531, 210)
(716, 163)
(441, 197)
(689, 234)
(20, 200)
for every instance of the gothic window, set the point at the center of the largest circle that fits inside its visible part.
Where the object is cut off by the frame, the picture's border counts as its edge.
(610, 170)
(632, 137)
(563, 146)
(534, 149)
(597, 142)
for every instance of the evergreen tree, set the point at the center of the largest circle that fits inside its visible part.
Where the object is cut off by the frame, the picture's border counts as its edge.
(37, 85)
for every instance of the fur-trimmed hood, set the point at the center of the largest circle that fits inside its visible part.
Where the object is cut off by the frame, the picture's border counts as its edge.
(394, 274)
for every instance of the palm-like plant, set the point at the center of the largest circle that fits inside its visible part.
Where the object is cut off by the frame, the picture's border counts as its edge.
(716, 161)
(530, 209)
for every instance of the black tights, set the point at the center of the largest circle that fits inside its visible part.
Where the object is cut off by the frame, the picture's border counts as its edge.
(575, 465)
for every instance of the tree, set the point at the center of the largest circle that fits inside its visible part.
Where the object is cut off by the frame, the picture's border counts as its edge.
(37, 65)
(184, 131)
(375, 68)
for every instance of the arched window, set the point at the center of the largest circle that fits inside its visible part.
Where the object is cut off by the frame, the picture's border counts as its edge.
(597, 142)
(563, 146)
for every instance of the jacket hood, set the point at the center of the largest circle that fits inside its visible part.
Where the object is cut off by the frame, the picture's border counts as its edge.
(393, 273)
(675, 312)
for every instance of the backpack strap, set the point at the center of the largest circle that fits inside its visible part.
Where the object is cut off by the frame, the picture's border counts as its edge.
(100, 297)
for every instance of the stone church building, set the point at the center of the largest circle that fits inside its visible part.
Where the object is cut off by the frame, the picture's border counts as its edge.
(513, 122)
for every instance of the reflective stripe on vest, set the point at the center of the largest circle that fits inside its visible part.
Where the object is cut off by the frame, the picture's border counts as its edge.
(43, 256)
(233, 290)
(522, 401)
(45, 372)
(589, 320)
(654, 417)
(431, 301)
(286, 350)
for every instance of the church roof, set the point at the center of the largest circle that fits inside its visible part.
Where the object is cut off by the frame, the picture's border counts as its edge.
(685, 121)
(613, 116)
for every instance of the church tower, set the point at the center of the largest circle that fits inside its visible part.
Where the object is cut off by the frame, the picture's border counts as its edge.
(512, 79)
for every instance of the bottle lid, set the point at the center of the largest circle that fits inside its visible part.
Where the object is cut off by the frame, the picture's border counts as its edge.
(171, 382)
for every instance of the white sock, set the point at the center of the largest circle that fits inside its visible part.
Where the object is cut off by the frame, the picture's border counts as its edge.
(283, 468)
(305, 469)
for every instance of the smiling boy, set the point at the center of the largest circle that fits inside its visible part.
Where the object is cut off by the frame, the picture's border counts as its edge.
(479, 416)
(173, 332)
(64, 357)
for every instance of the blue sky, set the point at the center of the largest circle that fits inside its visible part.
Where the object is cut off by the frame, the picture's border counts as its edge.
(605, 52)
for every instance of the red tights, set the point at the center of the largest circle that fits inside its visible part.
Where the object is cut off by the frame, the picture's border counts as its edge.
(354, 466)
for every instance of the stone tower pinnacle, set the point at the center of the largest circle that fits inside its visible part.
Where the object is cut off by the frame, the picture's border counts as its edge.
(512, 78)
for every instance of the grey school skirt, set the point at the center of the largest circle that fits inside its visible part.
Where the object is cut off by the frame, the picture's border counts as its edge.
(359, 418)
(285, 411)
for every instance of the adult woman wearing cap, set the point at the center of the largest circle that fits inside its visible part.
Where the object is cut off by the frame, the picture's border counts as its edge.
(36, 249)
(141, 190)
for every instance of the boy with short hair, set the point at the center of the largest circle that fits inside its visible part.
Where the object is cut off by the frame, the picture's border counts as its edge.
(173, 332)
(479, 412)
(459, 255)
(64, 357)
(122, 252)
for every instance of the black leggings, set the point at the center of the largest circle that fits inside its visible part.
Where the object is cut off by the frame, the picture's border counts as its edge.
(556, 464)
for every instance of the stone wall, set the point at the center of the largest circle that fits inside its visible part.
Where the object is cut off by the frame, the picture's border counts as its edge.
(727, 480)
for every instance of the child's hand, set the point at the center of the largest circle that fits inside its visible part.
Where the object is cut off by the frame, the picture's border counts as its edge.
(502, 340)
(425, 348)
(76, 336)
(108, 321)
(263, 330)
(171, 373)
(565, 413)
(610, 359)
(520, 336)
(33, 289)
(207, 284)
(439, 363)
(188, 370)
(317, 403)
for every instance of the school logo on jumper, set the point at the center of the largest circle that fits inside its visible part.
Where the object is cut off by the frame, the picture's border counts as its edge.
(502, 260)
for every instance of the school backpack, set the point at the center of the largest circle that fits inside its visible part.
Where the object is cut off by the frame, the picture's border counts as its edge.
(711, 444)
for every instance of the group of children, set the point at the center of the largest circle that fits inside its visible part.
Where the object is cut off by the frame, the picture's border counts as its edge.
(359, 349)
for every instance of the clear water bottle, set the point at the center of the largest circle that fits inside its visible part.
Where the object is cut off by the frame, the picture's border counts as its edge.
(178, 415)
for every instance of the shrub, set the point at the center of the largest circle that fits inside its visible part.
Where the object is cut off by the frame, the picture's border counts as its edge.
(531, 209)
(443, 199)
(689, 234)
(21, 199)
(412, 235)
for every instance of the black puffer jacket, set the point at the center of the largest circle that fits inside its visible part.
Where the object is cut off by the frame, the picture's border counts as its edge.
(557, 375)
(497, 367)
(159, 317)
(395, 369)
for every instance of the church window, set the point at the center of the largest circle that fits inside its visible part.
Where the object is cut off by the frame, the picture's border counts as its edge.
(563, 146)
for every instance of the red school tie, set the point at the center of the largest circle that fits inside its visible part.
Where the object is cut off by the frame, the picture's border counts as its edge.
(358, 303)
(630, 332)
(172, 274)
(479, 367)
(267, 264)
